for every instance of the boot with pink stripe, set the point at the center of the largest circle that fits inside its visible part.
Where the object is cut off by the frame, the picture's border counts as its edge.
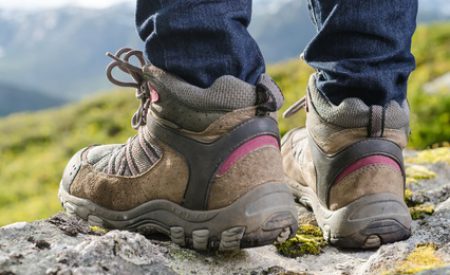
(347, 166)
(204, 168)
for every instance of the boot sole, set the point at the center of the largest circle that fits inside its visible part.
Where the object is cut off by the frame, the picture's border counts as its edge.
(366, 223)
(262, 216)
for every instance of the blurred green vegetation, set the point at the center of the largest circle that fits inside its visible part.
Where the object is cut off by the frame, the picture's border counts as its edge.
(35, 147)
(430, 112)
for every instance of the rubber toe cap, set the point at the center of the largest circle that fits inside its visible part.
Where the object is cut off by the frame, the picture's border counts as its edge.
(71, 170)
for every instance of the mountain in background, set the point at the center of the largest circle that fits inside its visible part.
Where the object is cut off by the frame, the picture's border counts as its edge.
(61, 52)
(24, 100)
(282, 28)
(433, 11)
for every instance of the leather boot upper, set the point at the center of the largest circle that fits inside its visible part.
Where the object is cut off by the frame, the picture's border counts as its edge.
(347, 151)
(215, 143)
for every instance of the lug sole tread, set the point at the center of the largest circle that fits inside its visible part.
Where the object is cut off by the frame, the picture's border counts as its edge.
(191, 229)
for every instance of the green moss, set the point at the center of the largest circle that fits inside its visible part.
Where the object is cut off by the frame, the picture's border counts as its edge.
(415, 173)
(431, 156)
(409, 198)
(308, 240)
(423, 257)
(421, 211)
(97, 230)
(309, 229)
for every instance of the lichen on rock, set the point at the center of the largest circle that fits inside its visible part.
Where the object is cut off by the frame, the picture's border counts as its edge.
(431, 156)
(421, 211)
(423, 257)
(415, 173)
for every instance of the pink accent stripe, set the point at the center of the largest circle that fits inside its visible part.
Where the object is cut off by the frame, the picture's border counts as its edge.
(245, 149)
(368, 161)
(154, 95)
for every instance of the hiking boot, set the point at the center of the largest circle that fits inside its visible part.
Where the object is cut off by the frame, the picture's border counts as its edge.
(204, 169)
(347, 166)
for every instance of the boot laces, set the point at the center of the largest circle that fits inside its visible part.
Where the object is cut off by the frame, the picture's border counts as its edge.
(294, 108)
(121, 61)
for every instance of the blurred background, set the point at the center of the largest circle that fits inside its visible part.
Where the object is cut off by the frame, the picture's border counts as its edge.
(55, 99)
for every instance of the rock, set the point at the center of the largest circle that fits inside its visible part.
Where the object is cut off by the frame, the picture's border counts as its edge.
(45, 248)
(444, 207)
(438, 271)
(17, 225)
(66, 245)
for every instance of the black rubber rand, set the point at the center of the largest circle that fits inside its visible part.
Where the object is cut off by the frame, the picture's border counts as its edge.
(204, 159)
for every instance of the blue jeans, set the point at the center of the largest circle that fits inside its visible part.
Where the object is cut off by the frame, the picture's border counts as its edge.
(362, 48)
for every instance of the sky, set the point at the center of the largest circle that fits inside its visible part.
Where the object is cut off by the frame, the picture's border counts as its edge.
(40, 4)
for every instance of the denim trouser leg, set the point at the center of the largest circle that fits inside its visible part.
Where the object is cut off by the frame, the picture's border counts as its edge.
(363, 48)
(200, 40)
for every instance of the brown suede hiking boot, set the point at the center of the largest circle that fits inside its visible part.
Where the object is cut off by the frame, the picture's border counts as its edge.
(347, 167)
(204, 168)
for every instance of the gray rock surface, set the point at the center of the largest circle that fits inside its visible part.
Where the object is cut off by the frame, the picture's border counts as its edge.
(63, 245)
(66, 245)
